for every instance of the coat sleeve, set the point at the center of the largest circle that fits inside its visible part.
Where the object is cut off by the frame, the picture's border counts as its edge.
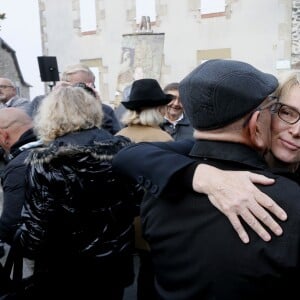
(157, 166)
(13, 200)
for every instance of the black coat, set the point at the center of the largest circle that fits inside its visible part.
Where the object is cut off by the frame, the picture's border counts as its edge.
(182, 130)
(198, 255)
(170, 160)
(13, 184)
(77, 221)
(110, 121)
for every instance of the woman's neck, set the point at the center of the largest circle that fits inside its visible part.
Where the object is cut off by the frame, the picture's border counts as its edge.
(273, 162)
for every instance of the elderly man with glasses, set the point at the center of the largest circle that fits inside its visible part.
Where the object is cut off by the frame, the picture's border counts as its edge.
(9, 97)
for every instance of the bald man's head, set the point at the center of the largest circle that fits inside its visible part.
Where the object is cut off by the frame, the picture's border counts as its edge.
(12, 115)
(13, 123)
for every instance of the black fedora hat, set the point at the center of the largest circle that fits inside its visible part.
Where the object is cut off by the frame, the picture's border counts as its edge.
(146, 93)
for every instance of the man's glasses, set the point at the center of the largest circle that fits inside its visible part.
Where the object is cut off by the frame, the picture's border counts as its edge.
(286, 113)
(5, 86)
(86, 88)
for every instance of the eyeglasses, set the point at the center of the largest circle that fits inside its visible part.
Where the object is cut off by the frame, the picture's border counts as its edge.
(269, 105)
(5, 86)
(85, 87)
(286, 113)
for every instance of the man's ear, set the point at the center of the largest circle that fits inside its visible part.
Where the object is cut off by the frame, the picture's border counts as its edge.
(4, 136)
(257, 131)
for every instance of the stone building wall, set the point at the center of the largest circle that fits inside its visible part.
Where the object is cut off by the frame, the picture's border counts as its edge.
(9, 68)
(255, 31)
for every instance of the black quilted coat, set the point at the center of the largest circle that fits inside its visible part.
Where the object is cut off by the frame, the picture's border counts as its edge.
(77, 221)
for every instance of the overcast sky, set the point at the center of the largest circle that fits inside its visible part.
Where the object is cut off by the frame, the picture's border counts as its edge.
(21, 31)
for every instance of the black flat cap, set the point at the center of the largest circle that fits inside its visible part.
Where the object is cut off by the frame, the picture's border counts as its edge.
(219, 92)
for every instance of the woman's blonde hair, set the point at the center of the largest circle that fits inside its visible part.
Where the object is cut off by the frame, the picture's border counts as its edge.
(147, 117)
(65, 110)
(287, 81)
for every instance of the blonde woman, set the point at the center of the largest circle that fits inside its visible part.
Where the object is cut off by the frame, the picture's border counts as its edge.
(145, 110)
(77, 221)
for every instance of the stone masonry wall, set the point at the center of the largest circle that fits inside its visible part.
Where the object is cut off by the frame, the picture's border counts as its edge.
(8, 70)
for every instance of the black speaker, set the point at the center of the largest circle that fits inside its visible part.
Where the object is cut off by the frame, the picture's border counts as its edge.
(48, 68)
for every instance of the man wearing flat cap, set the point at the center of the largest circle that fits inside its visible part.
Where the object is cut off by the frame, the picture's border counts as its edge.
(195, 251)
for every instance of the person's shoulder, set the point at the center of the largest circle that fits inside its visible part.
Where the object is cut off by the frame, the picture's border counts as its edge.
(19, 100)
(107, 108)
(35, 103)
(38, 98)
(285, 175)
(285, 190)
(162, 135)
(123, 131)
(16, 166)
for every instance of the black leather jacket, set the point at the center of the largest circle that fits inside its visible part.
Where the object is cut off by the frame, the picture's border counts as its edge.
(77, 208)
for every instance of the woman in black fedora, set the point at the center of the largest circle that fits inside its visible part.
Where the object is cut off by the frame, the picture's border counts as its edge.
(145, 110)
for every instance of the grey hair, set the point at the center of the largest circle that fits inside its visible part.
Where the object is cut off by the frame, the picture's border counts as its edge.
(73, 69)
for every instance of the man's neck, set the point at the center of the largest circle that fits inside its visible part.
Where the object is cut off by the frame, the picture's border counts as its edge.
(235, 134)
(174, 119)
(8, 101)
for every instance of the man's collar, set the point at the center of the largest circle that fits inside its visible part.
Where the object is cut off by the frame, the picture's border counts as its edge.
(7, 103)
(228, 151)
(176, 121)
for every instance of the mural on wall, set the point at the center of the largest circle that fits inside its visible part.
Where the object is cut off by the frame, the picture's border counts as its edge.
(126, 68)
(142, 55)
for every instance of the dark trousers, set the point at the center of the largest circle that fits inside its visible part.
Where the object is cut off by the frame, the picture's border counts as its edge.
(145, 280)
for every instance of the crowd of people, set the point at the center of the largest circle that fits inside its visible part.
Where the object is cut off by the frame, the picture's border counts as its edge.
(199, 179)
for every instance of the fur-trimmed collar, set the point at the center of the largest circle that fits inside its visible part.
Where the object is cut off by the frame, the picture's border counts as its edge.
(101, 151)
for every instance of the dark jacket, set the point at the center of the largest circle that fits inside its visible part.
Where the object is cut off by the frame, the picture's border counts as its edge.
(18, 102)
(208, 259)
(78, 215)
(166, 177)
(182, 130)
(13, 184)
(110, 121)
